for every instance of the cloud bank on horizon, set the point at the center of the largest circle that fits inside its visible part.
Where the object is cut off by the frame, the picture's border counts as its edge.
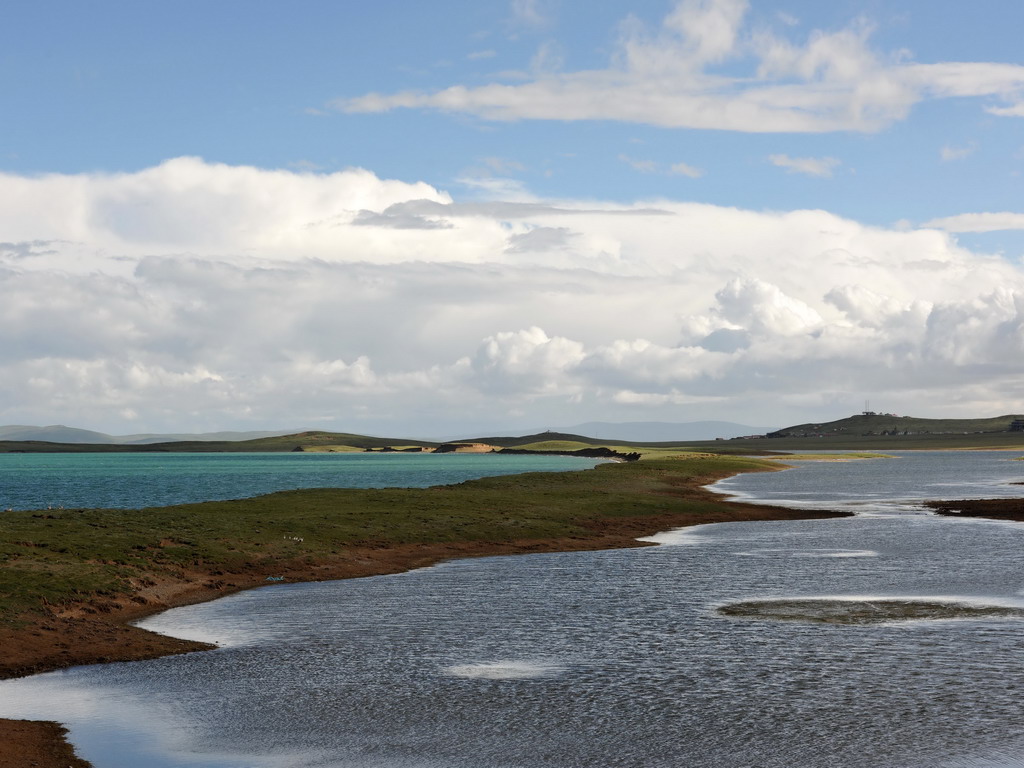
(212, 294)
(192, 294)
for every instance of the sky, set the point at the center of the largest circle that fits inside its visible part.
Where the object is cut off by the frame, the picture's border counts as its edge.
(465, 218)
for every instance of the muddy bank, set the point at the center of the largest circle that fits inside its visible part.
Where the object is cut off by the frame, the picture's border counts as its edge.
(996, 509)
(29, 743)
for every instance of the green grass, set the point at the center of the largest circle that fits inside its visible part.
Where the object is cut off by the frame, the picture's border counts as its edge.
(59, 556)
(555, 445)
(860, 424)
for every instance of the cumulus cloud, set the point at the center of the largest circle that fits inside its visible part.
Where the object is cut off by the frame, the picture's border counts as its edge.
(352, 302)
(821, 167)
(669, 76)
(195, 206)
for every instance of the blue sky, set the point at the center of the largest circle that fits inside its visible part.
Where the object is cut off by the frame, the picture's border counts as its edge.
(151, 137)
(123, 86)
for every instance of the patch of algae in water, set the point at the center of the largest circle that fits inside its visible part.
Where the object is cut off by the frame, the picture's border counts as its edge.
(879, 611)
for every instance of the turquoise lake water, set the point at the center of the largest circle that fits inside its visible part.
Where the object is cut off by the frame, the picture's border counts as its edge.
(133, 480)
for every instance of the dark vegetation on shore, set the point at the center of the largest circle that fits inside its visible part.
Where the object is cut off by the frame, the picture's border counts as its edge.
(995, 509)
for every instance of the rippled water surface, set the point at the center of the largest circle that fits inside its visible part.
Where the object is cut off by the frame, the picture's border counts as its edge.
(894, 485)
(616, 658)
(132, 480)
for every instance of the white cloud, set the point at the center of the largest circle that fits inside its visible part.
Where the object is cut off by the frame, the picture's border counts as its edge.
(347, 301)
(949, 152)
(644, 166)
(525, 362)
(502, 165)
(478, 55)
(196, 206)
(529, 14)
(762, 308)
(787, 19)
(684, 169)
(831, 81)
(1014, 110)
(651, 166)
(978, 222)
(492, 187)
(821, 167)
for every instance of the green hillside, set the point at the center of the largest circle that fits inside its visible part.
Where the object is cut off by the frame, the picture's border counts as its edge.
(541, 437)
(303, 441)
(857, 433)
(868, 424)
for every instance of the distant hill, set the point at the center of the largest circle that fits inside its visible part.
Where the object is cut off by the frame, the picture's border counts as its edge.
(666, 432)
(275, 444)
(507, 441)
(58, 433)
(868, 424)
(569, 437)
(202, 436)
(861, 431)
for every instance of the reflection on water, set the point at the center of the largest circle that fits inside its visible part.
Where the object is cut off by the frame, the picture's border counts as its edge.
(614, 658)
(503, 670)
(769, 552)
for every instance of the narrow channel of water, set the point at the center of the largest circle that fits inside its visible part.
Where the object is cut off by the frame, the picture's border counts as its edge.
(616, 658)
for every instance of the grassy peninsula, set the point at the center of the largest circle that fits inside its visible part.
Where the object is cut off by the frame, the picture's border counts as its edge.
(72, 577)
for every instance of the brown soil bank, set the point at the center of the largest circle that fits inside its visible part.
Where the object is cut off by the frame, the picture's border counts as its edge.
(71, 579)
(997, 509)
(27, 743)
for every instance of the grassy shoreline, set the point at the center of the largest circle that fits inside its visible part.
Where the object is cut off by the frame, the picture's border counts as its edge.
(73, 579)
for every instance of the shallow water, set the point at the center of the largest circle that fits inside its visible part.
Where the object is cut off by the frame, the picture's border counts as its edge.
(613, 658)
(134, 480)
(896, 485)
